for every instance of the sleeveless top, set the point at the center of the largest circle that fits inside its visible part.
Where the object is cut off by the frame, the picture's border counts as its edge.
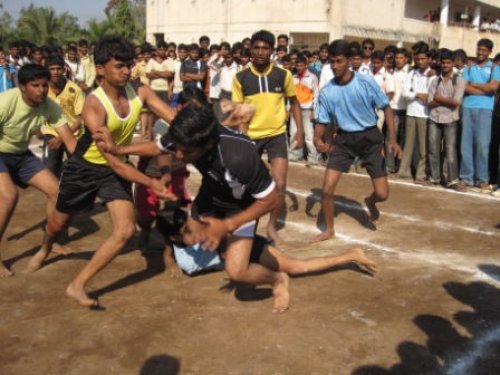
(121, 128)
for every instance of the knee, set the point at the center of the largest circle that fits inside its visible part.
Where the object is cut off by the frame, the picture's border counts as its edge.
(124, 232)
(10, 196)
(382, 195)
(236, 273)
(281, 186)
(54, 226)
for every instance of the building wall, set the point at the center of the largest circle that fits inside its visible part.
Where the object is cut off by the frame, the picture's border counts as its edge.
(389, 21)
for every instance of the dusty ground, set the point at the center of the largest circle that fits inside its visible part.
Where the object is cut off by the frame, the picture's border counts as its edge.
(434, 307)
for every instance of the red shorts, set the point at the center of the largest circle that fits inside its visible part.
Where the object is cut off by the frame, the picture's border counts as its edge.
(147, 203)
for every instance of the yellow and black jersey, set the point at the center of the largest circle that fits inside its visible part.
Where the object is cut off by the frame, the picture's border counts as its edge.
(267, 91)
(121, 128)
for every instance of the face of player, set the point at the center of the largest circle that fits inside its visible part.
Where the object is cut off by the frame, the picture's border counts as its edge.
(399, 61)
(35, 92)
(194, 54)
(283, 42)
(261, 53)
(323, 54)
(228, 59)
(160, 52)
(56, 73)
(189, 154)
(182, 54)
(482, 53)
(377, 65)
(356, 62)
(301, 67)
(244, 60)
(422, 61)
(446, 66)
(340, 66)
(115, 72)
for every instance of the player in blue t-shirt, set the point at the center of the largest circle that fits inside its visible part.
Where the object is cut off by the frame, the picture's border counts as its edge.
(350, 101)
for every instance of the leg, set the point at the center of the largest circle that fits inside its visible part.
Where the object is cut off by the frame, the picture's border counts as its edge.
(435, 150)
(330, 181)
(389, 157)
(422, 148)
(122, 218)
(466, 148)
(279, 168)
(312, 153)
(482, 142)
(410, 134)
(173, 270)
(450, 147)
(380, 194)
(276, 260)
(239, 269)
(47, 183)
(9, 198)
(297, 154)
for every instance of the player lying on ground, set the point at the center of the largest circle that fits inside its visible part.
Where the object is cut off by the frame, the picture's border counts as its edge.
(176, 226)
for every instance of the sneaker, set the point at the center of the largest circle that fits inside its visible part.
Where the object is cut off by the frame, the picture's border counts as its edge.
(422, 181)
(459, 186)
(485, 188)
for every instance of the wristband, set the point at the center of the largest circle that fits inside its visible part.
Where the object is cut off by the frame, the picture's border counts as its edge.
(165, 169)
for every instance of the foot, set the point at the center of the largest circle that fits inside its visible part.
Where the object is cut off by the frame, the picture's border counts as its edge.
(281, 295)
(323, 236)
(61, 250)
(273, 235)
(374, 213)
(81, 297)
(174, 272)
(362, 261)
(4, 271)
(37, 260)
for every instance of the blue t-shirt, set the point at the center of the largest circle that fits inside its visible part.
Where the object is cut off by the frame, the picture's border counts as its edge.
(483, 74)
(6, 83)
(351, 105)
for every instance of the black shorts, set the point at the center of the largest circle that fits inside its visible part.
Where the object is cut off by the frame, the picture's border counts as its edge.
(258, 246)
(20, 167)
(368, 145)
(163, 95)
(276, 146)
(81, 182)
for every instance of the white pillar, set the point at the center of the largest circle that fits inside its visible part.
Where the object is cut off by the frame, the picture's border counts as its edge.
(476, 18)
(445, 11)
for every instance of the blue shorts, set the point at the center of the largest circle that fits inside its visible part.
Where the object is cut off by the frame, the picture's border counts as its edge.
(20, 167)
(175, 100)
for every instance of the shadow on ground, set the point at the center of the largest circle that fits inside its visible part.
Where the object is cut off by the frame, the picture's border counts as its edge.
(162, 364)
(447, 351)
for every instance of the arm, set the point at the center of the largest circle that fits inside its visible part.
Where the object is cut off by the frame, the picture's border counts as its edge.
(389, 121)
(67, 137)
(319, 138)
(485, 88)
(217, 229)
(297, 116)
(155, 104)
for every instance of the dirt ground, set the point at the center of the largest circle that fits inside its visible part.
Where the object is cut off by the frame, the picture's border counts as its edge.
(433, 308)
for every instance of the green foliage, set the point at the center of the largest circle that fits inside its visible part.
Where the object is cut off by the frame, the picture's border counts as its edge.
(42, 25)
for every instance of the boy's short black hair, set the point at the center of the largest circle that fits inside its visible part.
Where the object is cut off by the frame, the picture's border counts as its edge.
(182, 46)
(323, 46)
(460, 54)
(368, 41)
(194, 127)
(83, 43)
(72, 49)
(194, 47)
(214, 47)
(339, 47)
(55, 59)
(170, 219)
(485, 42)
(356, 52)
(162, 44)
(301, 58)
(421, 48)
(172, 44)
(419, 45)
(263, 36)
(32, 72)
(192, 95)
(401, 51)
(245, 52)
(204, 38)
(286, 58)
(446, 54)
(390, 49)
(113, 48)
(237, 46)
(378, 55)
(283, 36)
(281, 49)
(225, 45)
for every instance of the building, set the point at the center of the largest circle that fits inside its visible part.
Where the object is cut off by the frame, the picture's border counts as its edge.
(451, 23)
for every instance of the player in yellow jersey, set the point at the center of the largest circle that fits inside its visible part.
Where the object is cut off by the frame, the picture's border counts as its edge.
(91, 172)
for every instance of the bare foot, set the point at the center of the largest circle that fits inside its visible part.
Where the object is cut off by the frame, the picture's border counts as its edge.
(272, 233)
(81, 297)
(323, 236)
(61, 250)
(37, 260)
(374, 213)
(362, 261)
(4, 271)
(174, 272)
(281, 295)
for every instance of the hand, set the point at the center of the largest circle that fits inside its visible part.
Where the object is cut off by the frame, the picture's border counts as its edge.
(298, 140)
(159, 188)
(211, 235)
(54, 143)
(105, 141)
(322, 147)
(395, 149)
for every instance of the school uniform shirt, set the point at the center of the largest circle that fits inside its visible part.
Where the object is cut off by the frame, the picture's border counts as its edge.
(159, 84)
(417, 83)
(227, 75)
(398, 101)
(139, 72)
(19, 121)
(215, 64)
(193, 67)
(177, 76)
(267, 91)
(443, 114)
(326, 75)
(77, 71)
(351, 105)
(306, 89)
(481, 74)
(385, 80)
(5, 82)
(71, 100)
